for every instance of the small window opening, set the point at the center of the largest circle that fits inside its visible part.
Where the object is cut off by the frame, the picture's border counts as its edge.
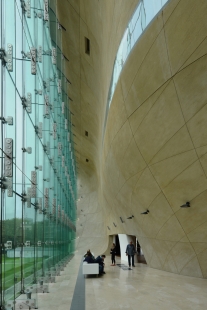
(86, 133)
(87, 160)
(87, 46)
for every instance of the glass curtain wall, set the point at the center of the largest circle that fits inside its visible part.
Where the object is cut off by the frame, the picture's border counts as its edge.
(37, 163)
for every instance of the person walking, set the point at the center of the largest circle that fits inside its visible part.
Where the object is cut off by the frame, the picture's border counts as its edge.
(113, 253)
(130, 251)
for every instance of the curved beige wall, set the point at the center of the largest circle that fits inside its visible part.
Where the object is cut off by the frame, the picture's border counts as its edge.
(154, 151)
(155, 147)
(103, 22)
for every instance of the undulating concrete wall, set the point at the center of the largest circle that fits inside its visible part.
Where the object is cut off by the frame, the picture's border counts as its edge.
(155, 146)
(103, 23)
(153, 152)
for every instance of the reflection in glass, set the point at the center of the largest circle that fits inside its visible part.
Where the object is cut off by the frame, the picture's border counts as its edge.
(38, 199)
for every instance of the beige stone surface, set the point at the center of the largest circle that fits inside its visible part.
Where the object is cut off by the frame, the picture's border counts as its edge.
(133, 63)
(149, 150)
(194, 217)
(187, 185)
(167, 170)
(182, 253)
(196, 125)
(121, 140)
(170, 265)
(138, 116)
(169, 9)
(199, 234)
(160, 124)
(145, 184)
(132, 161)
(193, 268)
(147, 247)
(75, 4)
(199, 246)
(180, 143)
(185, 30)
(199, 52)
(160, 213)
(202, 257)
(171, 230)
(189, 85)
(157, 64)
(121, 117)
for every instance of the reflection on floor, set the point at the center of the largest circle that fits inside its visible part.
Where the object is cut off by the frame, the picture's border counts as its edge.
(140, 288)
(123, 266)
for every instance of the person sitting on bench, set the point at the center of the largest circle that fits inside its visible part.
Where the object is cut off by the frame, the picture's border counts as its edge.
(88, 252)
(89, 258)
(100, 261)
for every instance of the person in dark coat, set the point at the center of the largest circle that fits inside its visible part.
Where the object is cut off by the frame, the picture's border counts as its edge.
(100, 260)
(130, 251)
(113, 253)
(89, 258)
(88, 253)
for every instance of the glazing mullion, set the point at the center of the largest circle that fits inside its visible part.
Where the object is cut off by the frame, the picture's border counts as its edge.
(39, 232)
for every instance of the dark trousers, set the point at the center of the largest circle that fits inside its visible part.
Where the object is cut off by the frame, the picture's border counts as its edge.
(113, 258)
(101, 269)
(129, 259)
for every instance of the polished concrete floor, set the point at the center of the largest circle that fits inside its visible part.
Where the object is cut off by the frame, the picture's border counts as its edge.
(139, 288)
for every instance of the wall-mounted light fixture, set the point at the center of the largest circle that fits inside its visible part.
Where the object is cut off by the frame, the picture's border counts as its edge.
(121, 219)
(130, 217)
(186, 205)
(146, 212)
(114, 224)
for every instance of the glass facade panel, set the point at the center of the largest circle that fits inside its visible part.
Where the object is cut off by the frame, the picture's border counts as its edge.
(37, 163)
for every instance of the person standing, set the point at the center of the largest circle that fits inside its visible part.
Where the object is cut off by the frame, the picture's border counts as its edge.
(130, 251)
(113, 253)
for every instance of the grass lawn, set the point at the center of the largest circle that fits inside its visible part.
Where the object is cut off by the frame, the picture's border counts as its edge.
(12, 268)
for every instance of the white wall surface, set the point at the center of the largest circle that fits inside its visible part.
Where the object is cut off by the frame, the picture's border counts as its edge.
(123, 241)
